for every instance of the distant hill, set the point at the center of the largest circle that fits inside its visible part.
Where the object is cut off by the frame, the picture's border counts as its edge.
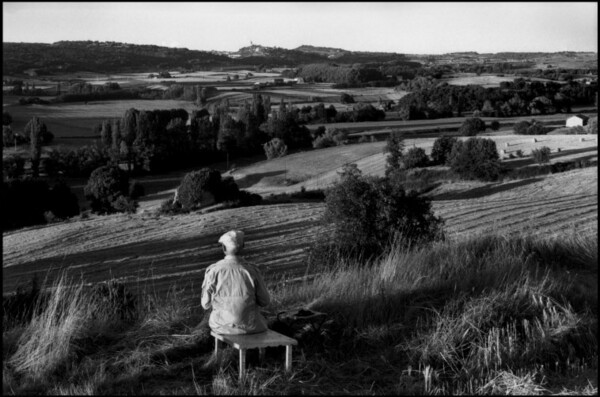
(94, 56)
(326, 51)
(111, 57)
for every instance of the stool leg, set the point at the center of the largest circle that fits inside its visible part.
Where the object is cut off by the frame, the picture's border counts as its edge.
(216, 347)
(242, 363)
(261, 353)
(288, 358)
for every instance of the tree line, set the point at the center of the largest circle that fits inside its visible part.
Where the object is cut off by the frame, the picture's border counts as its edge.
(433, 99)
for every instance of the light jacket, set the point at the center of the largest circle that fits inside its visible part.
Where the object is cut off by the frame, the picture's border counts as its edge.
(234, 289)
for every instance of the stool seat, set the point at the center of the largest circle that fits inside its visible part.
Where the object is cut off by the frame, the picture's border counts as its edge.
(260, 341)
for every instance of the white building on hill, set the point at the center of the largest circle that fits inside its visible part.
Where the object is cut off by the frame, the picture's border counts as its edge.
(577, 120)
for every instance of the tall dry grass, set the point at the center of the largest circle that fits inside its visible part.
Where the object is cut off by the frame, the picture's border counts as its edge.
(48, 340)
(486, 315)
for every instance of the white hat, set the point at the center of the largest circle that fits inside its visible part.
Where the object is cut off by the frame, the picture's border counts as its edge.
(233, 241)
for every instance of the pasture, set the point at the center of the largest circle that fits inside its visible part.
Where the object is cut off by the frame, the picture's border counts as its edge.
(153, 253)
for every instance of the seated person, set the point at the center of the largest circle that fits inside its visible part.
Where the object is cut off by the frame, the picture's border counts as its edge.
(234, 289)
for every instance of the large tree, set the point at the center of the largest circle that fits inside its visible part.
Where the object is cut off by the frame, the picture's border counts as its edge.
(34, 128)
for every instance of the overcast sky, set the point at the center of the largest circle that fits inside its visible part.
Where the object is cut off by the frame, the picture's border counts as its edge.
(418, 28)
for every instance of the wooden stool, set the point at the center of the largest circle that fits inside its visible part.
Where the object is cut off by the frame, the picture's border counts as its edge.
(260, 341)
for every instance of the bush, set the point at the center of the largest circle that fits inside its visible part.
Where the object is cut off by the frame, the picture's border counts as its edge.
(125, 204)
(415, 158)
(331, 137)
(471, 126)
(105, 186)
(171, 207)
(368, 213)
(442, 148)
(521, 127)
(537, 128)
(541, 155)
(13, 167)
(346, 98)
(495, 125)
(476, 158)
(421, 180)
(519, 153)
(199, 188)
(275, 148)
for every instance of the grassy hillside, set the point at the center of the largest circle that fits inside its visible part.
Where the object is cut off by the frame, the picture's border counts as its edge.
(486, 315)
(157, 252)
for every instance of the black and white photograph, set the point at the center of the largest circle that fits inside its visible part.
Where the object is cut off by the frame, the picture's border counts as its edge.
(300, 198)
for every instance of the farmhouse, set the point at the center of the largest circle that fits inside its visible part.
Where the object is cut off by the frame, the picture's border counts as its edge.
(577, 120)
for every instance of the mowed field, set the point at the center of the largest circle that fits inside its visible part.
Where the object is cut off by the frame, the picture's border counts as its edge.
(156, 253)
(319, 168)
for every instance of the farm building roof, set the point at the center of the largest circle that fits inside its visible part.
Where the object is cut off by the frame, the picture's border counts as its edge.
(581, 116)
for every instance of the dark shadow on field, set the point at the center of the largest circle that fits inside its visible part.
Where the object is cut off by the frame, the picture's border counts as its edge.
(485, 190)
(252, 179)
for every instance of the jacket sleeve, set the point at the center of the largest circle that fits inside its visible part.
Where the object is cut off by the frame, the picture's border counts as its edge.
(262, 294)
(208, 289)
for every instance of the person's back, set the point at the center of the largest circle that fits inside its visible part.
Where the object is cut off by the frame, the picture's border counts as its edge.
(234, 289)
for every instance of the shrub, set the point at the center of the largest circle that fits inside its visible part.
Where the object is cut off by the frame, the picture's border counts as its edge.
(471, 126)
(519, 153)
(495, 125)
(536, 128)
(275, 148)
(125, 204)
(13, 167)
(476, 158)
(521, 127)
(199, 188)
(442, 147)
(367, 213)
(415, 158)
(105, 185)
(346, 98)
(331, 137)
(420, 180)
(541, 155)
(171, 207)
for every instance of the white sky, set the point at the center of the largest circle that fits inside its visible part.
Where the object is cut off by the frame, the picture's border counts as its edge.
(418, 28)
